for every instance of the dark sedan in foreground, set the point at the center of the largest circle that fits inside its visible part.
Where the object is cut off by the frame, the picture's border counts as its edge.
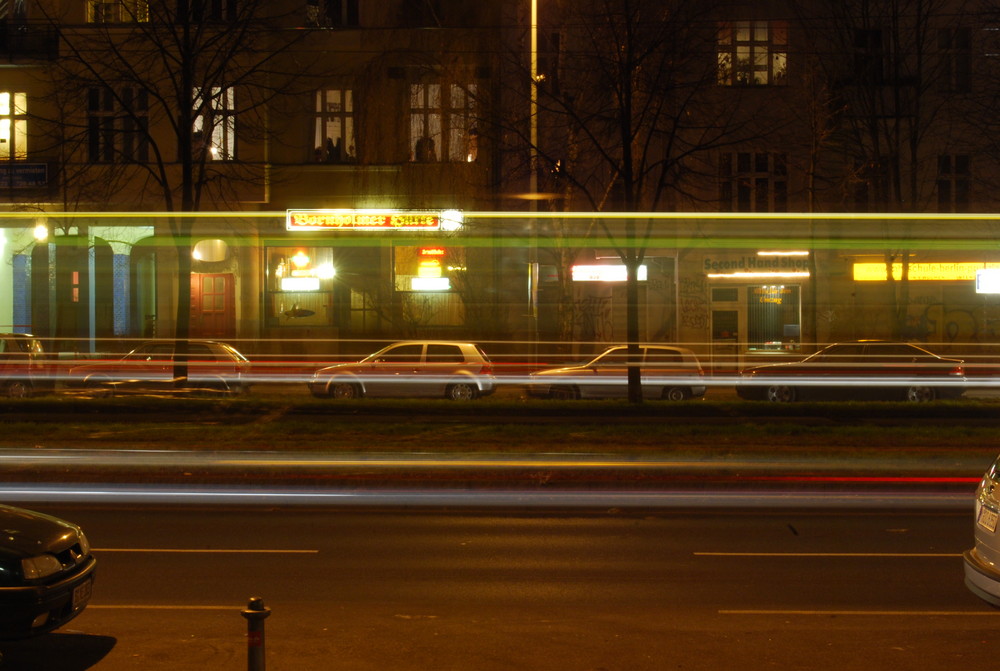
(982, 562)
(46, 572)
(861, 370)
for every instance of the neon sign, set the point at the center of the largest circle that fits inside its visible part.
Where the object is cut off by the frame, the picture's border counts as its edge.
(371, 220)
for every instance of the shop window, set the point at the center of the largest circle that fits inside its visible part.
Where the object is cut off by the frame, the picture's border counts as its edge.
(753, 53)
(333, 127)
(299, 286)
(427, 269)
(753, 182)
(773, 317)
(953, 182)
(442, 123)
(13, 126)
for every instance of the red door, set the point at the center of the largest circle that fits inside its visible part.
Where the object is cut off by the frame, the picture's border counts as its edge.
(213, 312)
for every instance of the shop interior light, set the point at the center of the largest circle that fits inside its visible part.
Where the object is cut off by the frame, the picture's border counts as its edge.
(326, 271)
(452, 220)
(783, 253)
(756, 276)
(430, 284)
(605, 273)
(300, 260)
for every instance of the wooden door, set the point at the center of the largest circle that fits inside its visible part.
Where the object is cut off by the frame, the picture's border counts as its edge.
(213, 309)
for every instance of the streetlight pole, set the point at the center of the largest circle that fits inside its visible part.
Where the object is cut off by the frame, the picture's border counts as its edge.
(533, 177)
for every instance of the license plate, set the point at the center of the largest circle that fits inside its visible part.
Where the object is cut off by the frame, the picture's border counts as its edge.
(81, 594)
(988, 519)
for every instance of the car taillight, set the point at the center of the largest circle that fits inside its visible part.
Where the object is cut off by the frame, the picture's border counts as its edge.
(957, 370)
(487, 368)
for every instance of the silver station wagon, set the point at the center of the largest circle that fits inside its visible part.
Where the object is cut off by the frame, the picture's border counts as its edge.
(668, 372)
(454, 370)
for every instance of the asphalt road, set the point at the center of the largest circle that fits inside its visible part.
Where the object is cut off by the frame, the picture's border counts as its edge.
(419, 590)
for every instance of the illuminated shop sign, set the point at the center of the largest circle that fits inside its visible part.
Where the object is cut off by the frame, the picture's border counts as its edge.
(609, 273)
(921, 272)
(372, 220)
(988, 281)
(761, 263)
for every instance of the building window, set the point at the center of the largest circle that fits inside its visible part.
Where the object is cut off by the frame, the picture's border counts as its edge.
(14, 9)
(753, 182)
(13, 126)
(953, 182)
(753, 53)
(869, 57)
(215, 123)
(955, 46)
(117, 126)
(333, 139)
(442, 123)
(212, 10)
(332, 13)
(117, 11)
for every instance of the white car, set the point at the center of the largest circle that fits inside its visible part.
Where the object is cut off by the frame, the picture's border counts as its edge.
(454, 370)
(982, 562)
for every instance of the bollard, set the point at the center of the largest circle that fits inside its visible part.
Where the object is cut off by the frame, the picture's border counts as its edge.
(255, 615)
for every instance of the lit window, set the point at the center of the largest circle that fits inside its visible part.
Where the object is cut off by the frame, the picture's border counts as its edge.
(443, 124)
(753, 53)
(117, 11)
(334, 126)
(13, 125)
(215, 124)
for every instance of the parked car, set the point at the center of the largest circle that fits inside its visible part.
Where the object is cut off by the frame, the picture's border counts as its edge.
(667, 372)
(982, 561)
(46, 572)
(22, 369)
(212, 366)
(861, 370)
(454, 370)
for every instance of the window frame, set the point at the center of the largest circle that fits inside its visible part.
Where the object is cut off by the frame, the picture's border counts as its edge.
(746, 48)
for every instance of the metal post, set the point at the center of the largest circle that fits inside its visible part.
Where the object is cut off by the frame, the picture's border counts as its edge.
(255, 615)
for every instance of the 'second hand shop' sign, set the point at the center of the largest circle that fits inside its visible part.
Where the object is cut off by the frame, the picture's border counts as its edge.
(371, 220)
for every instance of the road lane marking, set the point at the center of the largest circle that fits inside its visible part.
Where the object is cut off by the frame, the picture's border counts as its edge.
(861, 555)
(94, 606)
(206, 551)
(860, 612)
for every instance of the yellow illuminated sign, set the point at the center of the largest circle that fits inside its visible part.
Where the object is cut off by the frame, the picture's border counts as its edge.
(927, 272)
(354, 220)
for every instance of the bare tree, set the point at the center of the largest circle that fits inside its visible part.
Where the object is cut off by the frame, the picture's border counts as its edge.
(176, 77)
(882, 63)
(628, 117)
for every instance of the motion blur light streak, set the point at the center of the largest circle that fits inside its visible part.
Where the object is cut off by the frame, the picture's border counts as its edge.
(707, 498)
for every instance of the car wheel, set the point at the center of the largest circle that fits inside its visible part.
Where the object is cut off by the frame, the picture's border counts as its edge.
(779, 393)
(344, 390)
(920, 394)
(676, 393)
(564, 393)
(461, 391)
(18, 389)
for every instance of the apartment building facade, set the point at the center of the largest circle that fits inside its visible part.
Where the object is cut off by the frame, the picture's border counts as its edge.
(191, 145)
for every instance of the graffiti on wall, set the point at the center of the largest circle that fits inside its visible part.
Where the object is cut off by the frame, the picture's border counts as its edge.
(693, 296)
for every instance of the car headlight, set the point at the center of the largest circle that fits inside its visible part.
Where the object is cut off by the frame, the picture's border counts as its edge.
(41, 566)
(84, 544)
